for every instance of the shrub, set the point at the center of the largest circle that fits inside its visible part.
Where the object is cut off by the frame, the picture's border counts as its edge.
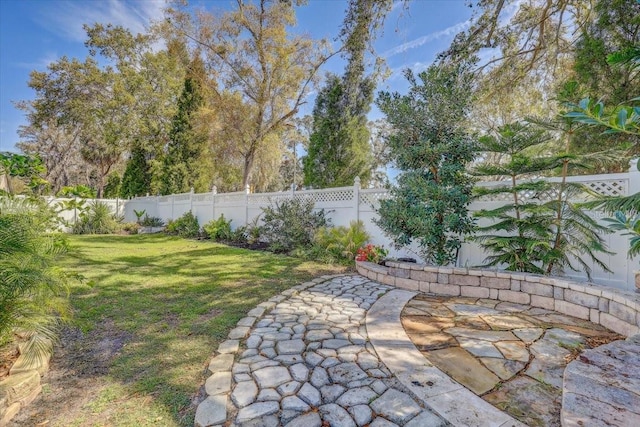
(186, 226)
(218, 229)
(151, 221)
(431, 146)
(96, 219)
(131, 227)
(33, 290)
(77, 191)
(240, 235)
(341, 243)
(371, 253)
(291, 224)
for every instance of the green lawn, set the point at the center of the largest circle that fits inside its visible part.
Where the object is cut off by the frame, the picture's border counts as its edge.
(164, 304)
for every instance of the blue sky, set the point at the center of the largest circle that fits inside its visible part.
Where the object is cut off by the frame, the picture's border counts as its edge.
(34, 33)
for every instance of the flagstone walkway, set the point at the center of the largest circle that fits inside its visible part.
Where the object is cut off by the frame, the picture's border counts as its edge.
(333, 352)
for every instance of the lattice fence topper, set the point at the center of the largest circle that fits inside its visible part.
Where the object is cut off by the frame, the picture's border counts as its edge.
(264, 199)
(372, 197)
(164, 199)
(181, 197)
(328, 196)
(203, 197)
(617, 187)
(614, 187)
(230, 198)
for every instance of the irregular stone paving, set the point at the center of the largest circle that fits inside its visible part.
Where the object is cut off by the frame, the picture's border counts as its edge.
(511, 355)
(308, 363)
(602, 386)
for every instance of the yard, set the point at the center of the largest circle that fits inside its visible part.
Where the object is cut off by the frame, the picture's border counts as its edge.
(146, 320)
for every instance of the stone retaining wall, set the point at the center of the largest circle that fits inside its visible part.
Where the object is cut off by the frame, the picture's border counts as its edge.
(22, 385)
(616, 310)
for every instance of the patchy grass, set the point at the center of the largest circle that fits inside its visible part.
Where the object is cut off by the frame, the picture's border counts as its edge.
(153, 310)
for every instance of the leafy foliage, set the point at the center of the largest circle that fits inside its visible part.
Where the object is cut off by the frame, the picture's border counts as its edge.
(431, 147)
(340, 243)
(528, 235)
(218, 229)
(339, 147)
(371, 253)
(151, 221)
(131, 227)
(78, 191)
(291, 224)
(136, 180)
(604, 51)
(33, 290)
(186, 226)
(112, 186)
(139, 214)
(182, 164)
(97, 218)
(252, 57)
(620, 222)
(22, 166)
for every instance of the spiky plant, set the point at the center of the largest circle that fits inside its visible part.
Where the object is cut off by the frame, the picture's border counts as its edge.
(341, 243)
(529, 235)
(96, 219)
(33, 289)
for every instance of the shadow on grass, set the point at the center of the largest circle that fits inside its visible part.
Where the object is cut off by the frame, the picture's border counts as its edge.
(174, 300)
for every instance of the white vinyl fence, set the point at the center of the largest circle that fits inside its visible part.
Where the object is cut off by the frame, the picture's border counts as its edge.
(346, 204)
(69, 209)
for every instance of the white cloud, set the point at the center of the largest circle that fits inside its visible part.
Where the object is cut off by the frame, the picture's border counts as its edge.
(67, 18)
(41, 63)
(416, 67)
(447, 32)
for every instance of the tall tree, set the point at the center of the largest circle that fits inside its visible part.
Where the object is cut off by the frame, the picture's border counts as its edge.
(339, 148)
(85, 116)
(154, 78)
(86, 101)
(183, 161)
(136, 180)
(431, 147)
(616, 28)
(59, 150)
(339, 145)
(249, 51)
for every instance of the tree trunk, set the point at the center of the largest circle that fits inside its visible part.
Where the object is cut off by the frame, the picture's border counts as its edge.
(248, 166)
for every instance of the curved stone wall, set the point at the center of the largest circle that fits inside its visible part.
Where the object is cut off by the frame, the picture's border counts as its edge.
(616, 310)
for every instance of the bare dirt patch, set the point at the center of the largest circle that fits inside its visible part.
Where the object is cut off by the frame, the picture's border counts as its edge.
(76, 375)
(8, 356)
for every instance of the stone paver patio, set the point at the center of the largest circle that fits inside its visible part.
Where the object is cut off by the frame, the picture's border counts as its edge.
(333, 352)
(512, 355)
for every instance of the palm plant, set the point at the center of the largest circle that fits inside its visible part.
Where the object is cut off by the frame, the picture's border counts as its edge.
(621, 222)
(96, 219)
(33, 290)
(342, 243)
